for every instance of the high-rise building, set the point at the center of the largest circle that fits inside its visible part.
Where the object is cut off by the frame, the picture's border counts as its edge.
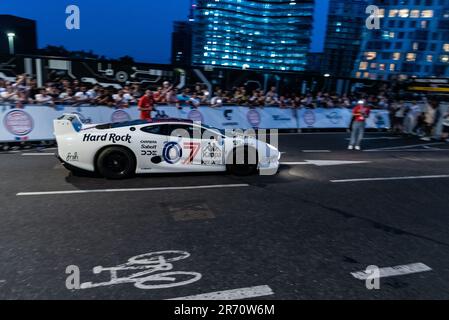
(412, 41)
(346, 20)
(253, 34)
(182, 43)
(17, 35)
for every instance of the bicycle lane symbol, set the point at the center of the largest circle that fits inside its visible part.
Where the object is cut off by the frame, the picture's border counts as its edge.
(148, 271)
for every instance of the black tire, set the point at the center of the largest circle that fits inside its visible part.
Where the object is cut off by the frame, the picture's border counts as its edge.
(240, 166)
(116, 163)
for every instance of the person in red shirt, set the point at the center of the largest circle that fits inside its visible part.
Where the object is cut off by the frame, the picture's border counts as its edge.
(146, 104)
(360, 114)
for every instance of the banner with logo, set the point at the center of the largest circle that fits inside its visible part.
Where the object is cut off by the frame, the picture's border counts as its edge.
(324, 118)
(339, 118)
(34, 123)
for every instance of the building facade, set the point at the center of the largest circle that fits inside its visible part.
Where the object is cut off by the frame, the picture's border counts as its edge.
(270, 35)
(413, 41)
(182, 44)
(346, 20)
(17, 35)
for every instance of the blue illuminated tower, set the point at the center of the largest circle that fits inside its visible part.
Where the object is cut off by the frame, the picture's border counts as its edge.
(253, 34)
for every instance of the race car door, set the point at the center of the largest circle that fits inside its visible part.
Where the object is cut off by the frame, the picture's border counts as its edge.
(182, 148)
(212, 150)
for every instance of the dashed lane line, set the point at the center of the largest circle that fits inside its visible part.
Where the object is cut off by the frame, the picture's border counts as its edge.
(442, 176)
(69, 192)
(393, 271)
(406, 147)
(236, 294)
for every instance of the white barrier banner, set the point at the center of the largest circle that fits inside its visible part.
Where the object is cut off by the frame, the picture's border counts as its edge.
(35, 123)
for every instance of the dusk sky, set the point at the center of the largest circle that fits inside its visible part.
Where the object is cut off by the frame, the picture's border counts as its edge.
(139, 28)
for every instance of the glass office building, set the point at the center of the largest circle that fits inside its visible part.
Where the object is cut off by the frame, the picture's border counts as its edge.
(345, 24)
(413, 41)
(253, 34)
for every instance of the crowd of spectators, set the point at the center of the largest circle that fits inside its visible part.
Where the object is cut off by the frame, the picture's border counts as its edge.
(72, 92)
(407, 117)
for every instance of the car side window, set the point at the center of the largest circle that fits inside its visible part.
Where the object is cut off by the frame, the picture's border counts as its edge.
(181, 129)
(208, 134)
(161, 130)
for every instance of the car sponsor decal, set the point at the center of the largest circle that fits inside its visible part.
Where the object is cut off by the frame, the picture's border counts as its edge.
(172, 152)
(211, 154)
(108, 137)
(72, 157)
(148, 148)
(194, 147)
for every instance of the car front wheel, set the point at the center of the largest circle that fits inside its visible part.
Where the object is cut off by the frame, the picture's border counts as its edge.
(116, 163)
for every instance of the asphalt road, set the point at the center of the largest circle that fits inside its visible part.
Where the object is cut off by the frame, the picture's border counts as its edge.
(297, 235)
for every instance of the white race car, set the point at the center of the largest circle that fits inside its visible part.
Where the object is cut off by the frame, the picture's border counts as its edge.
(120, 150)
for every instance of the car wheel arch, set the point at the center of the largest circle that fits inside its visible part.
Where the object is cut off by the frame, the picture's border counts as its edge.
(98, 153)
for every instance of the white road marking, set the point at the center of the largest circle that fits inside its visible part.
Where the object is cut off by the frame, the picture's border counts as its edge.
(237, 294)
(406, 147)
(379, 138)
(394, 271)
(411, 150)
(38, 154)
(392, 178)
(130, 190)
(323, 163)
(316, 151)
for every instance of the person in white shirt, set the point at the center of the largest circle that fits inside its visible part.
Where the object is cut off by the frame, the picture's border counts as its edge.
(9, 94)
(43, 97)
(82, 95)
(122, 99)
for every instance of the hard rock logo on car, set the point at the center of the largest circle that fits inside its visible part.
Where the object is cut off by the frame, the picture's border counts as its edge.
(111, 137)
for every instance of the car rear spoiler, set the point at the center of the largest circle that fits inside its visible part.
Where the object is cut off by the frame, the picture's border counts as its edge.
(66, 124)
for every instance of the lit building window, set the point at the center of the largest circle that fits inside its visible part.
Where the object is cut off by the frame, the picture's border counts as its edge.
(411, 57)
(414, 14)
(403, 13)
(358, 74)
(444, 58)
(393, 13)
(363, 65)
(427, 13)
(429, 58)
(371, 55)
(446, 47)
(381, 13)
(392, 67)
(396, 55)
(382, 67)
(424, 24)
(366, 74)
(373, 65)
(415, 46)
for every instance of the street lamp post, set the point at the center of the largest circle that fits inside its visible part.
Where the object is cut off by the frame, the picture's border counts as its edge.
(11, 37)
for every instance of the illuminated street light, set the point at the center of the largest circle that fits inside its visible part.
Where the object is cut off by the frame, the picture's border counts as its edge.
(327, 75)
(11, 37)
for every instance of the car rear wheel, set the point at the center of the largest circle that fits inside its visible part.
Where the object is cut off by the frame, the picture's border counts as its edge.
(244, 162)
(116, 163)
